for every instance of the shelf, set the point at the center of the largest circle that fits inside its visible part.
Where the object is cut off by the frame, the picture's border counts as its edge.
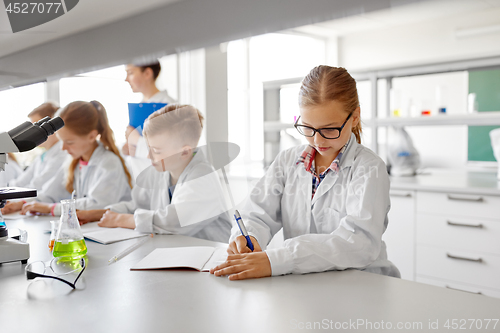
(274, 126)
(477, 119)
(433, 68)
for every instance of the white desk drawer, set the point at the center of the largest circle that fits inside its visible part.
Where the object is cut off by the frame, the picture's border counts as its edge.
(458, 233)
(460, 266)
(460, 287)
(486, 206)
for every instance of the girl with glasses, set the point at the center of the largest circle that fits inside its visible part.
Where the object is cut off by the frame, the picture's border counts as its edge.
(331, 197)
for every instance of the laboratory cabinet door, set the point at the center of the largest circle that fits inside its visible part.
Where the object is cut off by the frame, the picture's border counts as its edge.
(400, 234)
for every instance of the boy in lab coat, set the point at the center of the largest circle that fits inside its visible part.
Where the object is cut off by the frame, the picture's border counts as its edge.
(331, 197)
(180, 193)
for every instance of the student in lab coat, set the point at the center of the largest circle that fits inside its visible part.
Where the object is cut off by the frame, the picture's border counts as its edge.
(331, 197)
(45, 166)
(181, 192)
(11, 172)
(97, 172)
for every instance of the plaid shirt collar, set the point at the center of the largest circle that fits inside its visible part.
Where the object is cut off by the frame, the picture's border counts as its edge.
(307, 157)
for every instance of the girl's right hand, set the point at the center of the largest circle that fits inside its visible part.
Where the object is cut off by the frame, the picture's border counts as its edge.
(239, 245)
(12, 206)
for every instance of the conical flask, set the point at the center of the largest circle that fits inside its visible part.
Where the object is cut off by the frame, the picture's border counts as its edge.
(69, 239)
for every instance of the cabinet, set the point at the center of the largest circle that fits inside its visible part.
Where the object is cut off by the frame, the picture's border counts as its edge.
(445, 231)
(457, 239)
(400, 234)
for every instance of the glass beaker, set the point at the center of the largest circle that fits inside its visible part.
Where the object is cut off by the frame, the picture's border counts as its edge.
(69, 240)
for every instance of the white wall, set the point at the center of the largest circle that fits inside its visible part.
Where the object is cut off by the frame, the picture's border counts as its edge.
(419, 43)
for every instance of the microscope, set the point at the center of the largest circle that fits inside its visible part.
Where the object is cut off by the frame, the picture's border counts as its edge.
(21, 138)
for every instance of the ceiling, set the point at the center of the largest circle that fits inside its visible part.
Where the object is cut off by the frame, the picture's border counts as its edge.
(95, 13)
(396, 16)
(99, 24)
(90, 14)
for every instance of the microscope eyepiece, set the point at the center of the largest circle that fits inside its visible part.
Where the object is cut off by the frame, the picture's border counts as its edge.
(52, 125)
(42, 121)
(27, 136)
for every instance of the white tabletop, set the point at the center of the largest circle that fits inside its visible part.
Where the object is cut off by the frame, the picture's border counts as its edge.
(115, 299)
(450, 180)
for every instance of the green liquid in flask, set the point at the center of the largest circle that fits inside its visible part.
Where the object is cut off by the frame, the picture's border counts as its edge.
(74, 249)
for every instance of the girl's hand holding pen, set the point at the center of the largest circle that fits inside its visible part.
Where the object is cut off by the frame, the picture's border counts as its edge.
(244, 266)
(242, 263)
(239, 245)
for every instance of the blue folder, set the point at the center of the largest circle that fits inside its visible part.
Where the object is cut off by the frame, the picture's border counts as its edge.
(139, 112)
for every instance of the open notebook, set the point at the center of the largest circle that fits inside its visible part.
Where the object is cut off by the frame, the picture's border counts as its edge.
(200, 258)
(108, 235)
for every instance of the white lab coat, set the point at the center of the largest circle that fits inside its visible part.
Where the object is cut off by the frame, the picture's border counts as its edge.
(11, 172)
(197, 209)
(104, 182)
(161, 97)
(349, 210)
(43, 169)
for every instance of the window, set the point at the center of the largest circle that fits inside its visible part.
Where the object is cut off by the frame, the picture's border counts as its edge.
(17, 103)
(251, 62)
(108, 86)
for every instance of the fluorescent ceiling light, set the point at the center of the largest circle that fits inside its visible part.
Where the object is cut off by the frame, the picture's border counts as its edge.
(472, 32)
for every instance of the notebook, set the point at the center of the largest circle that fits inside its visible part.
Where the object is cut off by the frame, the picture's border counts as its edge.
(108, 235)
(200, 258)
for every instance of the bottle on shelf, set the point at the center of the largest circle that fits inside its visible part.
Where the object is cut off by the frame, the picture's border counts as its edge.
(395, 103)
(472, 104)
(441, 98)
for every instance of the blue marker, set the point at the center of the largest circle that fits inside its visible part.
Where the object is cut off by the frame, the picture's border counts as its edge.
(243, 230)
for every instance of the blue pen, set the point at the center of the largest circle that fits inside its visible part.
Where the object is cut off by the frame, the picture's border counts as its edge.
(243, 230)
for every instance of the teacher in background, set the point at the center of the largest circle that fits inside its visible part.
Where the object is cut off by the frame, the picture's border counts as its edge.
(142, 78)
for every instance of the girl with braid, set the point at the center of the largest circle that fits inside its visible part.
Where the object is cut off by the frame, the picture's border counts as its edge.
(96, 171)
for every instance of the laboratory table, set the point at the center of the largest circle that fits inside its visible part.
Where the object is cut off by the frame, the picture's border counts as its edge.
(111, 298)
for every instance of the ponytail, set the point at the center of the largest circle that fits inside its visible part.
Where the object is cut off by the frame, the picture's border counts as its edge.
(357, 131)
(107, 137)
(70, 178)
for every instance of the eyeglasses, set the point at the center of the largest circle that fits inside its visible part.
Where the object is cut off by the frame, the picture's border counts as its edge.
(327, 132)
(59, 266)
